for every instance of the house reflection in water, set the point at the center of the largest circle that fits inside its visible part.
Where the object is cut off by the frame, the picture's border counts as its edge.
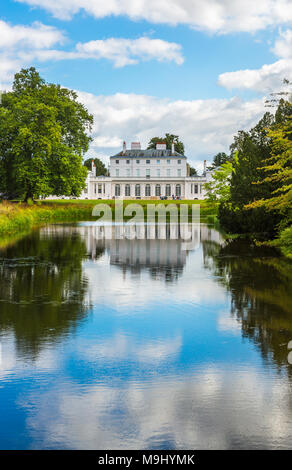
(160, 248)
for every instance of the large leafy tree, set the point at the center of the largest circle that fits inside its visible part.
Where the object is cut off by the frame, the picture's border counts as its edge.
(252, 149)
(168, 139)
(278, 169)
(100, 166)
(44, 133)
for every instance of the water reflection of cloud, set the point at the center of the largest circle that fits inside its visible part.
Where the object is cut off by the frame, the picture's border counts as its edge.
(228, 323)
(123, 347)
(205, 410)
(109, 286)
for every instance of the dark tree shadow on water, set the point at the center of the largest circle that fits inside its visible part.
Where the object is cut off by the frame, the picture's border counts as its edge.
(260, 286)
(43, 289)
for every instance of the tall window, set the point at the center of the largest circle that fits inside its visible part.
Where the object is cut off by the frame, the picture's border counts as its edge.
(168, 172)
(117, 190)
(178, 172)
(147, 190)
(99, 189)
(178, 190)
(117, 172)
(157, 190)
(179, 162)
(147, 173)
(117, 162)
(158, 172)
(168, 190)
(137, 172)
(128, 171)
(137, 190)
(196, 189)
(168, 162)
(127, 190)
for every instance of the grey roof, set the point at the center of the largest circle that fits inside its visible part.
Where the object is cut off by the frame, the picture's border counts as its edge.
(148, 153)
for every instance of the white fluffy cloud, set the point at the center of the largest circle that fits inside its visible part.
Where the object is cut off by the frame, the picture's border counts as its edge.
(265, 79)
(36, 36)
(130, 51)
(206, 126)
(120, 51)
(19, 43)
(22, 45)
(268, 77)
(283, 45)
(221, 16)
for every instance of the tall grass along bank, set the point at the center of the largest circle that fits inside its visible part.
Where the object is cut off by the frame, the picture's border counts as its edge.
(20, 217)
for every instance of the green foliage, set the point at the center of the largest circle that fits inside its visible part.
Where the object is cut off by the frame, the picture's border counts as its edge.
(252, 149)
(284, 242)
(100, 166)
(258, 222)
(219, 159)
(193, 171)
(218, 189)
(260, 197)
(168, 140)
(278, 170)
(43, 137)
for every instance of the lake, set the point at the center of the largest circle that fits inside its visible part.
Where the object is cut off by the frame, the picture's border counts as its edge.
(143, 342)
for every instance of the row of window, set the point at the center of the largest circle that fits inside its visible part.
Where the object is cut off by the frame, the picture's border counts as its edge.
(148, 161)
(148, 190)
(128, 172)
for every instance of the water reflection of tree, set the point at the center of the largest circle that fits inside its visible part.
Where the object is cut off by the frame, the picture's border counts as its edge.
(43, 290)
(260, 285)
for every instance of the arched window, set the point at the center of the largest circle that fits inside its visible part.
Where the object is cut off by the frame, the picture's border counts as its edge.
(127, 190)
(137, 190)
(157, 190)
(168, 190)
(117, 190)
(147, 190)
(178, 190)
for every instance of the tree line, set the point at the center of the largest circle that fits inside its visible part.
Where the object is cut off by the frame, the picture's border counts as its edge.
(253, 184)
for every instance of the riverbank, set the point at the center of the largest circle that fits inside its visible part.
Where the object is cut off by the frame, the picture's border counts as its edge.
(20, 217)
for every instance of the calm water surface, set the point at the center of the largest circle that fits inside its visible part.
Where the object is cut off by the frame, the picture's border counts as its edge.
(144, 343)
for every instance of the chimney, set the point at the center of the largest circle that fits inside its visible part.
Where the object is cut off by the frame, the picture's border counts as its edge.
(93, 169)
(135, 146)
(205, 166)
(161, 146)
(124, 147)
(172, 148)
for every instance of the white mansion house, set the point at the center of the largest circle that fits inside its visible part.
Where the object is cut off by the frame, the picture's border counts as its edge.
(146, 174)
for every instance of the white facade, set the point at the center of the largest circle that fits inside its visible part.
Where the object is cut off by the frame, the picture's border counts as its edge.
(146, 174)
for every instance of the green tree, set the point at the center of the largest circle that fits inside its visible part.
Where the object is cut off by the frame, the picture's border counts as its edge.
(193, 171)
(253, 148)
(219, 159)
(43, 137)
(101, 169)
(218, 189)
(168, 140)
(278, 170)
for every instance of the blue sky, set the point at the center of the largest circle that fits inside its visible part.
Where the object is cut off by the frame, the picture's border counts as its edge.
(198, 68)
